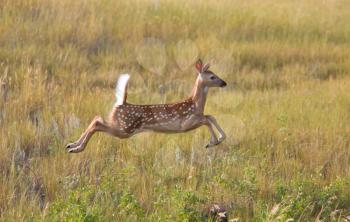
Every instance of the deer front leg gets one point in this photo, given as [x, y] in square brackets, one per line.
[96, 125]
[197, 121]
[213, 139]
[213, 121]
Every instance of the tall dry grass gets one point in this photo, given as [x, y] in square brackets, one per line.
[285, 111]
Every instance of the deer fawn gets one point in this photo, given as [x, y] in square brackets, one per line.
[128, 119]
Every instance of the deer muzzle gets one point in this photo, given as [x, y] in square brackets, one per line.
[223, 84]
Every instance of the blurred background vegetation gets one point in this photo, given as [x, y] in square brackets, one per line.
[285, 110]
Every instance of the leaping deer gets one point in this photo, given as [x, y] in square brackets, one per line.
[126, 120]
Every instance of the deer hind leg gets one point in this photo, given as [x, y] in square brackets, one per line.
[97, 125]
[83, 135]
[79, 141]
[213, 121]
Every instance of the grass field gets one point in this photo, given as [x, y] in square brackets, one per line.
[286, 109]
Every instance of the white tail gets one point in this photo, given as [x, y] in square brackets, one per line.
[120, 89]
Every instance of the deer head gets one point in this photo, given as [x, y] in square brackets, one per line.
[207, 77]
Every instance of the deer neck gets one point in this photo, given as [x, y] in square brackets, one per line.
[199, 95]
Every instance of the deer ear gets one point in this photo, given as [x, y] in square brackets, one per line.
[205, 67]
[199, 65]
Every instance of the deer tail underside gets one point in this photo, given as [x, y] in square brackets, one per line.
[121, 89]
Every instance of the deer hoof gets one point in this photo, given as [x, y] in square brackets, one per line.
[77, 149]
[211, 144]
[71, 145]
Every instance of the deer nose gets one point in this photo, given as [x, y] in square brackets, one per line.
[223, 84]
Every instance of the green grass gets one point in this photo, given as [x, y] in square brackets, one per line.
[285, 110]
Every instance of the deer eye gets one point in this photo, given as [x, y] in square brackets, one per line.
[212, 77]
